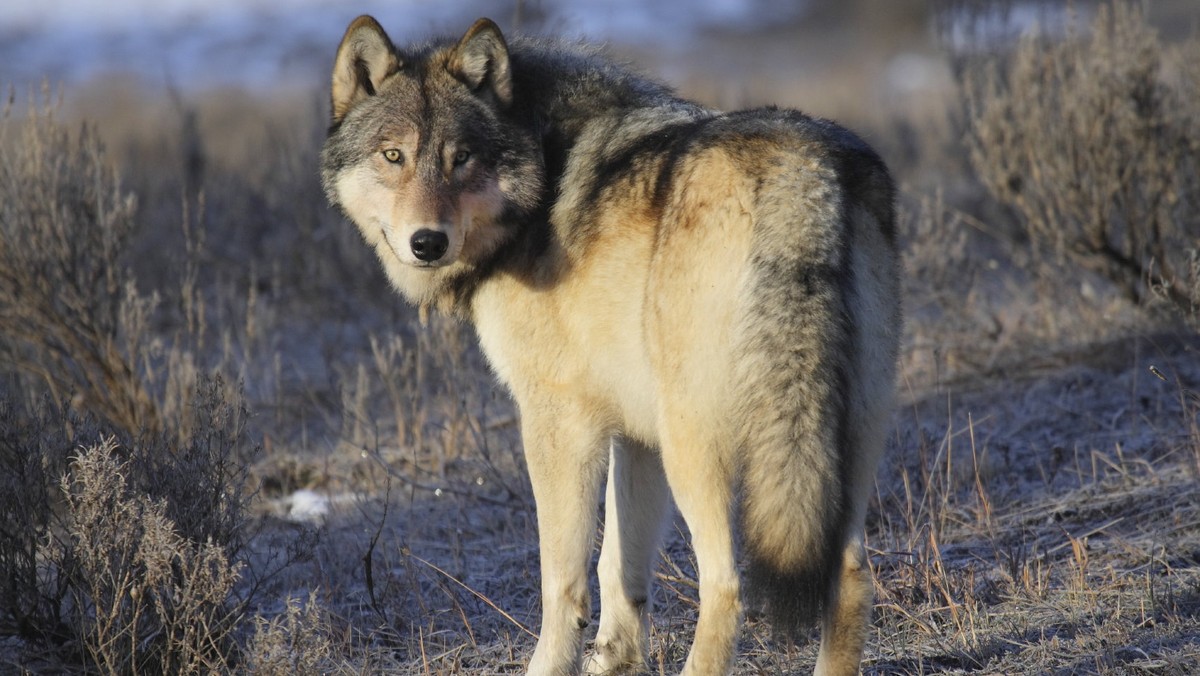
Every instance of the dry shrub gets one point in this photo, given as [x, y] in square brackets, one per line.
[146, 583]
[1094, 141]
[132, 567]
[203, 479]
[70, 314]
[35, 450]
[942, 269]
[73, 321]
[146, 599]
[74, 325]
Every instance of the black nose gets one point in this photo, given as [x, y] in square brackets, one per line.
[429, 245]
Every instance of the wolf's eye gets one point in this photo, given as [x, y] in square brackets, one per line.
[461, 157]
[392, 155]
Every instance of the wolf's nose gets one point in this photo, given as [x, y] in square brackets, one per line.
[429, 245]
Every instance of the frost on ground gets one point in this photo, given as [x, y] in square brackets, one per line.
[1046, 521]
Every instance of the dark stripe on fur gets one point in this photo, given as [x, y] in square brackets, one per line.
[666, 145]
[669, 164]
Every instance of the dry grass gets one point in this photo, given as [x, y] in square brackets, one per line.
[1046, 524]
[182, 287]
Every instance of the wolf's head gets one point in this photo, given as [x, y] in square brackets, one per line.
[425, 155]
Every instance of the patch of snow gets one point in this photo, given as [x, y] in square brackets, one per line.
[307, 506]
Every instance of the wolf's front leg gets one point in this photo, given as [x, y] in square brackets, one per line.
[565, 453]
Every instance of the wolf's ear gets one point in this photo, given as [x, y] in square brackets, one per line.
[365, 57]
[481, 61]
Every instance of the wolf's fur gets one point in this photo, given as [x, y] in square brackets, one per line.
[715, 292]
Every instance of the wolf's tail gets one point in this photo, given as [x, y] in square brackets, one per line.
[796, 383]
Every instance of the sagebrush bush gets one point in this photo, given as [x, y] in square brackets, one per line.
[70, 312]
[124, 559]
[35, 451]
[146, 600]
[1094, 141]
[130, 572]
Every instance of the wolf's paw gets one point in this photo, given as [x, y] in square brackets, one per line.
[613, 659]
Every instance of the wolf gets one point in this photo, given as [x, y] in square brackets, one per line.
[701, 305]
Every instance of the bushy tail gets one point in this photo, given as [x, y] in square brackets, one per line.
[794, 385]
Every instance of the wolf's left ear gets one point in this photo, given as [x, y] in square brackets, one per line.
[364, 59]
[481, 61]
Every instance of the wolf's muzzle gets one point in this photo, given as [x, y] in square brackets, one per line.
[429, 245]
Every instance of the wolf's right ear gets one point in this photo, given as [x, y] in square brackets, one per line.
[365, 57]
[481, 62]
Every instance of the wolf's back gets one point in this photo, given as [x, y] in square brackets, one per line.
[823, 219]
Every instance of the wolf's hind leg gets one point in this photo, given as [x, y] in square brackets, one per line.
[636, 502]
[845, 626]
[565, 455]
[701, 477]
